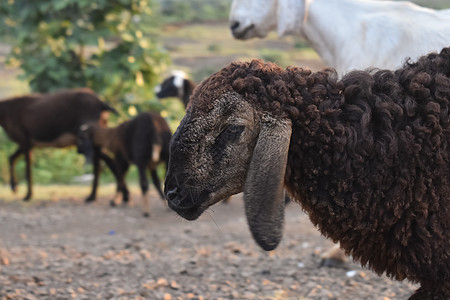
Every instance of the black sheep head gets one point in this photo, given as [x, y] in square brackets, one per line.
[225, 147]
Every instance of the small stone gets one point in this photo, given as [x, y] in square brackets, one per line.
[162, 282]
[351, 274]
[4, 261]
[213, 288]
[266, 282]
[252, 288]
[174, 285]
[145, 254]
[42, 292]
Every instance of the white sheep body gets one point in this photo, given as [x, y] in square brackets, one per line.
[351, 34]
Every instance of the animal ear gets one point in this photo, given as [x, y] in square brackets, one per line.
[263, 189]
[288, 15]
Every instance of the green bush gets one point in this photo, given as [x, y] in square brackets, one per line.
[108, 46]
[103, 45]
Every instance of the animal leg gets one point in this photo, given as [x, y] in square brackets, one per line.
[116, 200]
[122, 192]
[157, 183]
[109, 162]
[28, 176]
[146, 204]
[334, 258]
[12, 166]
[122, 171]
[435, 291]
[96, 163]
[121, 167]
[144, 188]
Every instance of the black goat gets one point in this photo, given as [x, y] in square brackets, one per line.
[143, 140]
[177, 86]
[51, 120]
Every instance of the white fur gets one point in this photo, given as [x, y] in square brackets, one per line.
[348, 34]
[179, 73]
[254, 12]
[178, 81]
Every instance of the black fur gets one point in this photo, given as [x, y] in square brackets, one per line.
[368, 159]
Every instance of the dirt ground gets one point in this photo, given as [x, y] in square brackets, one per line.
[65, 249]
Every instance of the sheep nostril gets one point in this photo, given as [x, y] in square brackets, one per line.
[235, 25]
[172, 194]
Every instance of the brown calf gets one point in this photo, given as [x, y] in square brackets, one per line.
[143, 140]
[51, 120]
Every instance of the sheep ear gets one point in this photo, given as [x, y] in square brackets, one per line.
[288, 16]
[263, 189]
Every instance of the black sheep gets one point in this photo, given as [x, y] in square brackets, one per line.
[177, 86]
[367, 157]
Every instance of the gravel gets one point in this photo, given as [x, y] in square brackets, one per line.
[65, 249]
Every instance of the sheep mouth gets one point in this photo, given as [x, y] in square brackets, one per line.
[242, 35]
[189, 206]
[189, 213]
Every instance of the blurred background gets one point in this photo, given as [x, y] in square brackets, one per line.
[121, 49]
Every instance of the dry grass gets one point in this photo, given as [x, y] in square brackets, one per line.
[54, 192]
[214, 40]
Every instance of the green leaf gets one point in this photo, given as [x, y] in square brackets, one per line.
[59, 51]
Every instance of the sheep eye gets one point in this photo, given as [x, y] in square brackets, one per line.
[235, 129]
[231, 132]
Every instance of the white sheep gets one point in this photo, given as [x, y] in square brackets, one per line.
[348, 34]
